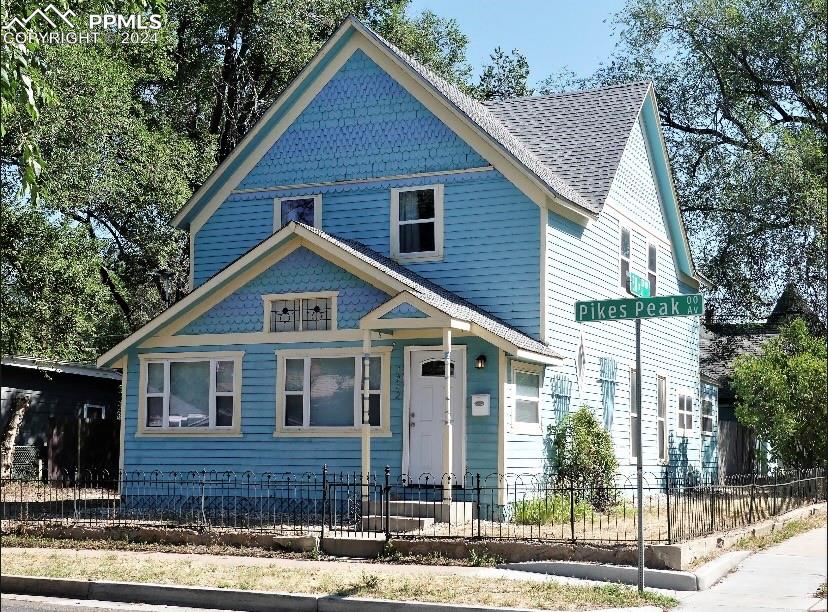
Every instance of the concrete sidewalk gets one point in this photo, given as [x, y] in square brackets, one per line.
[784, 577]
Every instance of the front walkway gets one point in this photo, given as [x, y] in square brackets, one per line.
[784, 577]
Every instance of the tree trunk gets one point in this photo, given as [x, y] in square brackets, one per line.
[18, 410]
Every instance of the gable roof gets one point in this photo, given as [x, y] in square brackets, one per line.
[580, 136]
[721, 343]
[386, 271]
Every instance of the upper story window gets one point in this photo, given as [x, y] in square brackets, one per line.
[295, 312]
[624, 256]
[652, 267]
[190, 393]
[305, 209]
[417, 223]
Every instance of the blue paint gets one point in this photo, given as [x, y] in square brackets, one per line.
[300, 271]
[404, 311]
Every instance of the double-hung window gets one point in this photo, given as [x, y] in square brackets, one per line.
[294, 312]
[685, 411]
[634, 438]
[320, 391]
[190, 393]
[652, 267]
[527, 395]
[305, 209]
[624, 257]
[662, 418]
[707, 415]
[417, 223]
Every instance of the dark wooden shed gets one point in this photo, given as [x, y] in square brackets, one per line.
[73, 418]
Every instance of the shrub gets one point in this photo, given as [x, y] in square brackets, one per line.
[583, 454]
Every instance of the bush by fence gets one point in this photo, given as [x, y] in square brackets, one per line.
[547, 507]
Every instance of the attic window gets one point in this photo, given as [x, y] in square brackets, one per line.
[305, 209]
[297, 312]
[417, 223]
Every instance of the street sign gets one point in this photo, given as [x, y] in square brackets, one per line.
[639, 286]
[640, 308]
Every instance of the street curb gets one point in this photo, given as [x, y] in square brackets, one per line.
[252, 601]
[701, 579]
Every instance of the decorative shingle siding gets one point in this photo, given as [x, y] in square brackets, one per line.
[300, 271]
[404, 311]
[361, 124]
[583, 264]
[492, 237]
[259, 451]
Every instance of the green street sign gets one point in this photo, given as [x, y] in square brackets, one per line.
[639, 286]
[640, 308]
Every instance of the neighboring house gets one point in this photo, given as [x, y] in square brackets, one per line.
[377, 224]
[64, 399]
[739, 452]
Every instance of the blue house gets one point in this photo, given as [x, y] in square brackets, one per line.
[384, 272]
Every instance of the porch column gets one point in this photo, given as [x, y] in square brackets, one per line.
[447, 420]
[366, 415]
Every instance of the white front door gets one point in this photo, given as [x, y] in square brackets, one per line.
[426, 408]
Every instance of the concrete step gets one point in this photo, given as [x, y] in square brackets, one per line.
[374, 522]
[453, 512]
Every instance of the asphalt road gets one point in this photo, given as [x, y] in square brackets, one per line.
[30, 603]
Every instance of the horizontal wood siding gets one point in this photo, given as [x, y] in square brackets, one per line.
[583, 264]
[258, 450]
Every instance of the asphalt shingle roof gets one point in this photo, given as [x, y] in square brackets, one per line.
[720, 344]
[435, 295]
[579, 135]
[490, 124]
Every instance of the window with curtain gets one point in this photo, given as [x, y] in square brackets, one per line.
[325, 392]
[190, 393]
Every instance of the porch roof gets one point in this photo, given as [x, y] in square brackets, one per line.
[436, 296]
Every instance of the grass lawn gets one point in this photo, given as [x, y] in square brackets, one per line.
[341, 580]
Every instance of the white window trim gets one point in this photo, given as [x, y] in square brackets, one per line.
[684, 431]
[237, 357]
[666, 419]
[633, 458]
[384, 428]
[650, 243]
[317, 209]
[523, 427]
[707, 397]
[437, 253]
[268, 298]
[624, 284]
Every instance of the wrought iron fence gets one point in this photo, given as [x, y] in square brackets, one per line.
[677, 506]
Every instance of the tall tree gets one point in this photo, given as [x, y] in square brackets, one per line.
[742, 95]
[134, 130]
[505, 77]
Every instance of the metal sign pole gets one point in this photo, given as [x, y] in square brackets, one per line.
[640, 467]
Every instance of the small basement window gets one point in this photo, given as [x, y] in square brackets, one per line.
[302, 209]
[294, 312]
[417, 223]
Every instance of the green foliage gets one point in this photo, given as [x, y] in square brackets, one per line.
[742, 93]
[781, 393]
[583, 453]
[548, 510]
[505, 77]
[482, 558]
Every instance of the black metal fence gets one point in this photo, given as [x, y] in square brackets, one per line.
[677, 506]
